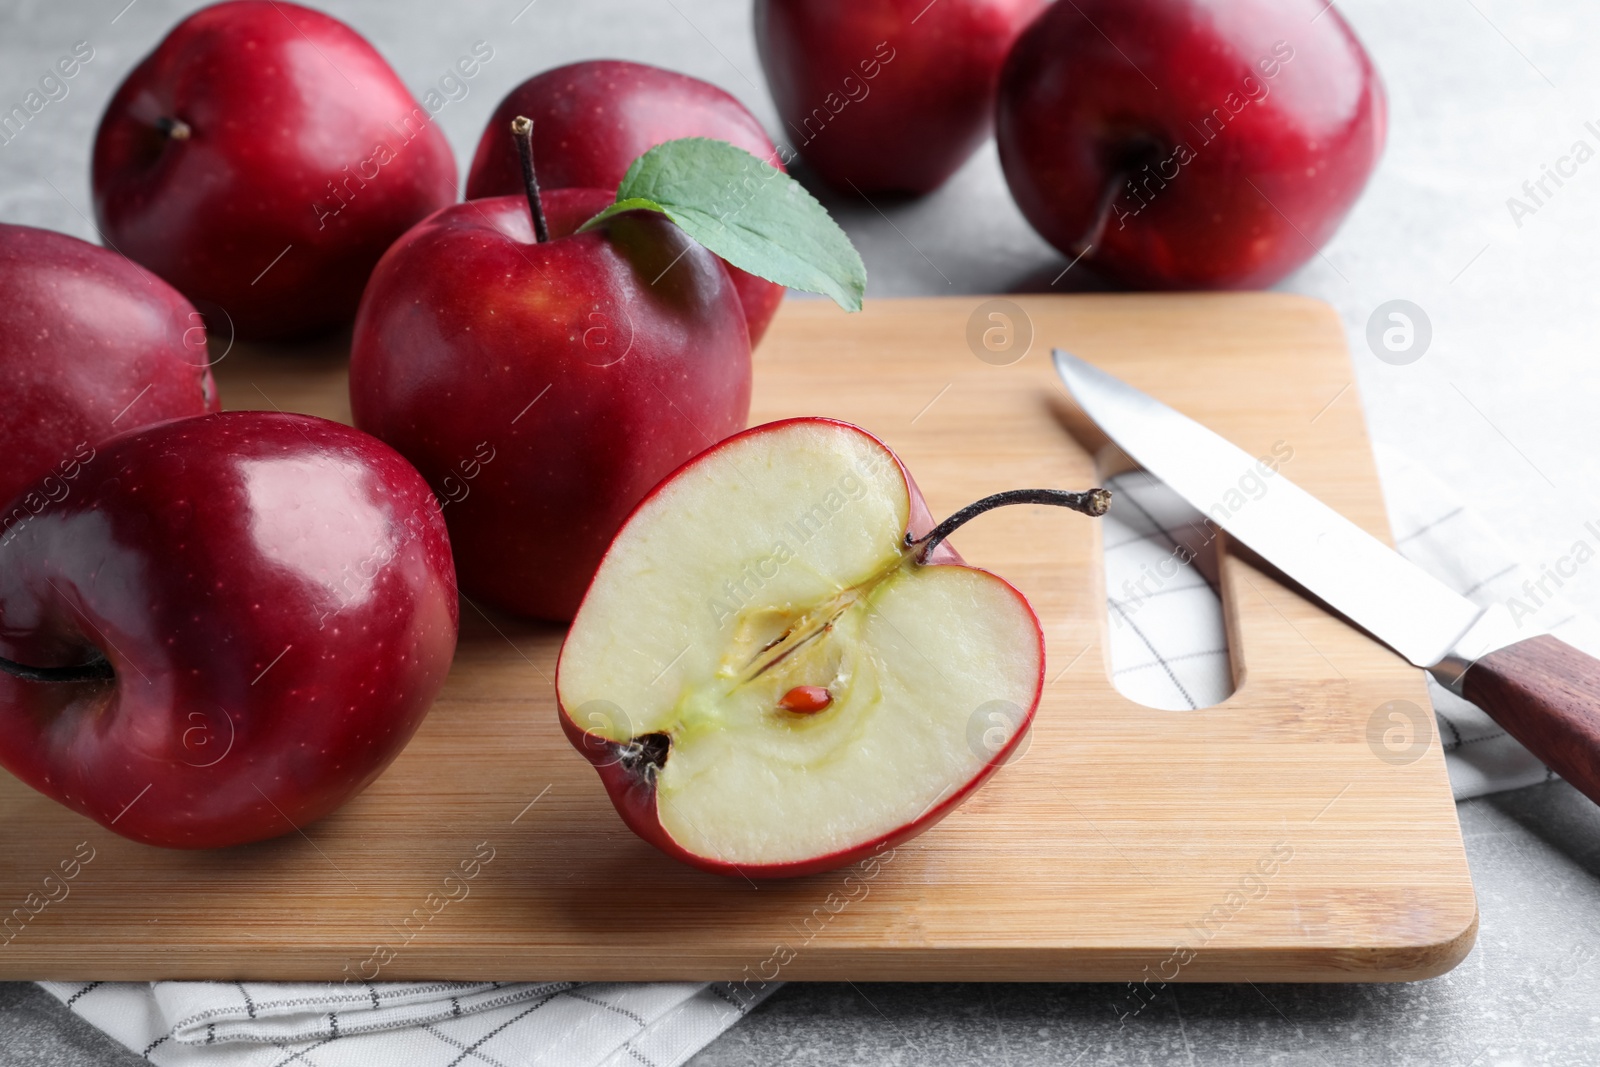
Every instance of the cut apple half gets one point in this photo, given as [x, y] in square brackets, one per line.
[780, 664]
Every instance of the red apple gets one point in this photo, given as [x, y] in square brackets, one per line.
[1188, 143]
[591, 120]
[231, 626]
[542, 387]
[90, 346]
[888, 96]
[782, 666]
[261, 159]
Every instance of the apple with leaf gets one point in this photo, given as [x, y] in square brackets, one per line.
[569, 348]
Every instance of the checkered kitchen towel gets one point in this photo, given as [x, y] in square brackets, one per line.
[1168, 650]
[409, 1024]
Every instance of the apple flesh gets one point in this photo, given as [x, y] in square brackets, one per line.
[1189, 144]
[591, 120]
[261, 159]
[543, 387]
[770, 674]
[888, 96]
[231, 626]
[90, 346]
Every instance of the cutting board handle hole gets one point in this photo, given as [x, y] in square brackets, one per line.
[1167, 635]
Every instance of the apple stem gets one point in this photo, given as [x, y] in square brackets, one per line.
[94, 671]
[1140, 154]
[1093, 502]
[522, 132]
[1102, 215]
[176, 129]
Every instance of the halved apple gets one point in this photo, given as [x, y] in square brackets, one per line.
[780, 663]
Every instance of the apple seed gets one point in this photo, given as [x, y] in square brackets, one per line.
[806, 699]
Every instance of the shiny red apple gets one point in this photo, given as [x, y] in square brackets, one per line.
[591, 120]
[261, 159]
[782, 666]
[231, 626]
[543, 387]
[887, 96]
[1189, 143]
[90, 346]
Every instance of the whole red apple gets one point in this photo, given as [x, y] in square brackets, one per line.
[231, 626]
[887, 96]
[261, 159]
[90, 346]
[782, 666]
[591, 120]
[542, 387]
[1189, 143]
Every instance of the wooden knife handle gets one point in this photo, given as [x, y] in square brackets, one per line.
[1547, 695]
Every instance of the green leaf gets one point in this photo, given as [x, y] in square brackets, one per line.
[748, 212]
[631, 204]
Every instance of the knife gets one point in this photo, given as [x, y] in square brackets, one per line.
[1541, 690]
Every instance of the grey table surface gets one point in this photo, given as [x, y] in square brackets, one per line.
[1484, 94]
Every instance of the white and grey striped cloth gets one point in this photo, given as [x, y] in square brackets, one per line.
[414, 1024]
[1168, 650]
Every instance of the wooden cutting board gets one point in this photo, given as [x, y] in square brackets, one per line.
[1261, 839]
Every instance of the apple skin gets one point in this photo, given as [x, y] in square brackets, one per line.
[631, 787]
[302, 138]
[90, 346]
[263, 676]
[469, 320]
[906, 88]
[591, 120]
[1075, 109]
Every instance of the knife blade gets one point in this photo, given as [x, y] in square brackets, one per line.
[1541, 690]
